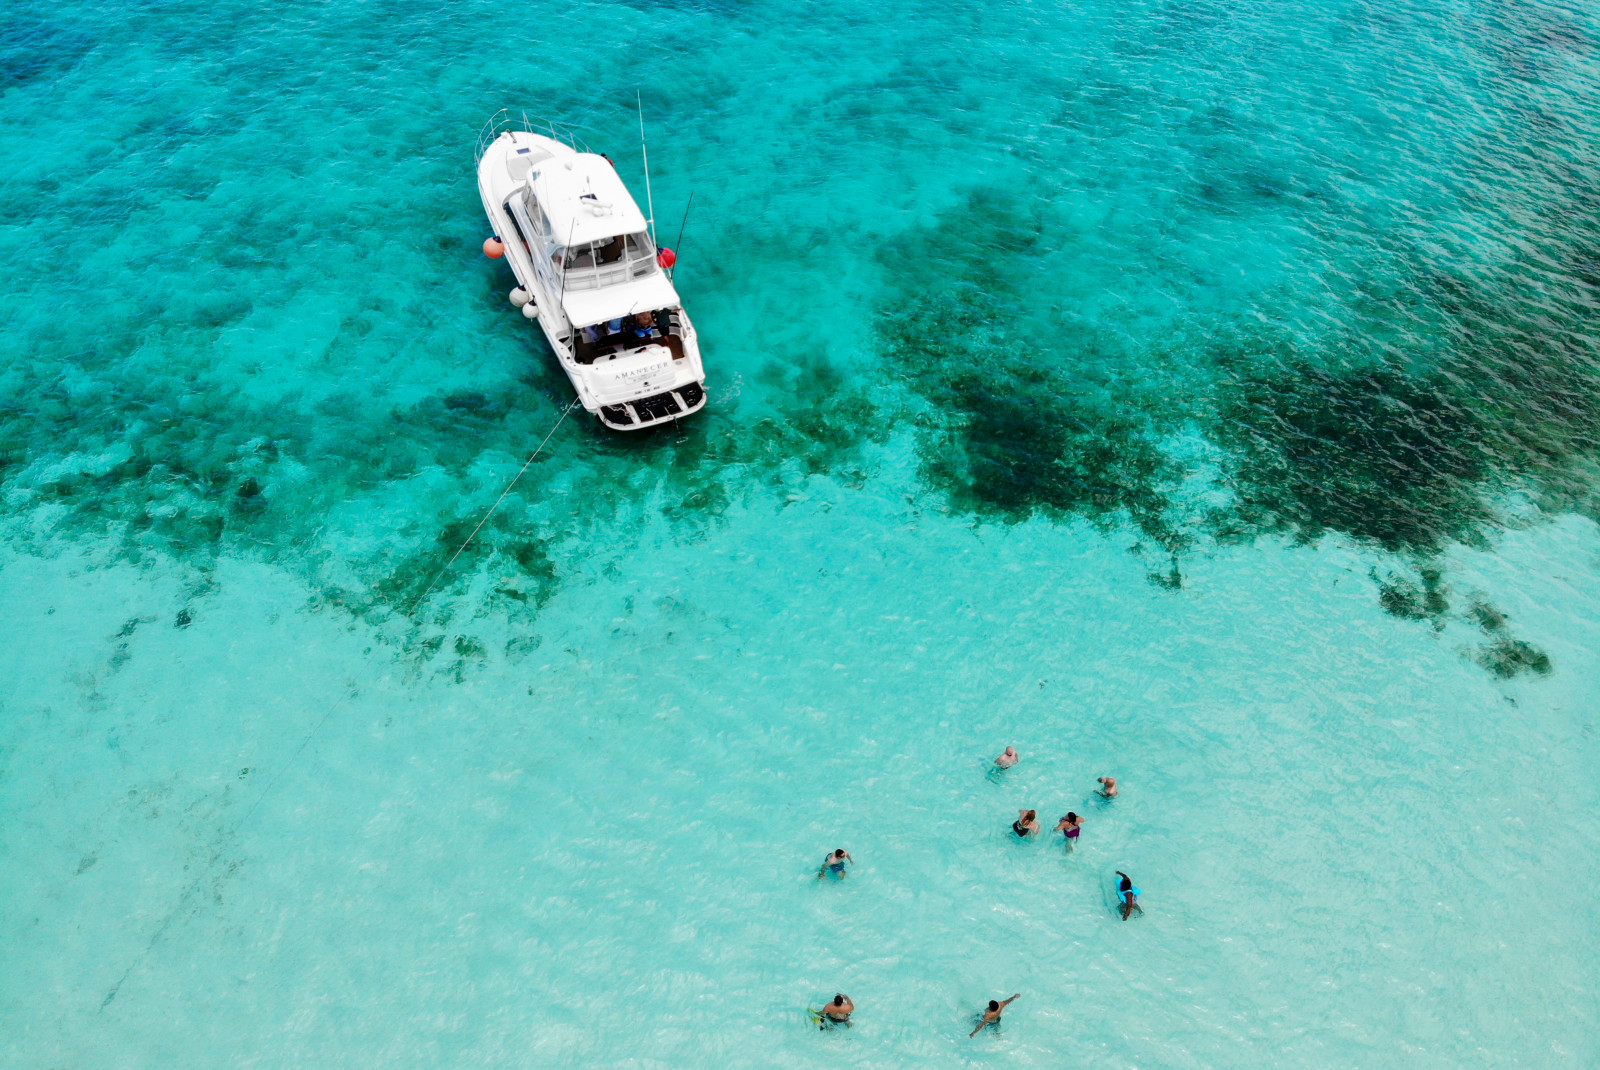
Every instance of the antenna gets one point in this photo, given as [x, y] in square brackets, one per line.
[679, 243]
[650, 200]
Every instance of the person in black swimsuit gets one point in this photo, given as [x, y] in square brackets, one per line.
[1026, 825]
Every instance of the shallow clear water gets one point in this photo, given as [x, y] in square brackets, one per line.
[1200, 393]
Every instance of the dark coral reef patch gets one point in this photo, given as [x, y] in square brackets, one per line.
[1005, 434]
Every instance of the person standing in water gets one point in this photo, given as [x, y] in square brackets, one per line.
[1026, 824]
[836, 1012]
[1128, 895]
[1007, 759]
[1108, 786]
[834, 863]
[1070, 826]
[991, 1016]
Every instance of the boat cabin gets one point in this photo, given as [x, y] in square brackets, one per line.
[575, 217]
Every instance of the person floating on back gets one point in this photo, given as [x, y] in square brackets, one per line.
[1070, 826]
[992, 1015]
[834, 864]
[1108, 787]
[1027, 824]
[1127, 895]
[835, 1012]
[1007, 759]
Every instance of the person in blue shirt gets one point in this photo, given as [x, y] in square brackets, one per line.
[1128, 895]
[642, 326]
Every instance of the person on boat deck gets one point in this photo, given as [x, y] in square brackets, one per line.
[991, 1015]
[1026, 824]
[642, 325]
[614, 326]
[834, 863]
[836, 1012]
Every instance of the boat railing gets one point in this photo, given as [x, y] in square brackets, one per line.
[591, 277]
[596, 278]
[506, 119]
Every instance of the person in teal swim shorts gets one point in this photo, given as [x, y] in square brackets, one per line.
[834, 864]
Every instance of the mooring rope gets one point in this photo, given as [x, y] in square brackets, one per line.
[218, 849]
[208, 870]
[493, 507]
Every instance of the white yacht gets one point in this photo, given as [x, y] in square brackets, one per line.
[589, 272]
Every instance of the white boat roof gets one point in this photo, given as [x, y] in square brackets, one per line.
[585, 308]
[584, 199]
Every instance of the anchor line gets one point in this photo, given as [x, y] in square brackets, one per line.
[460, 549]
[218, 851]
[224, 842]
[678, 248]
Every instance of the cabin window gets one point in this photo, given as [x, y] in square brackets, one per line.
[579, 257]
[536, 216]
[608, 261]
[518, 227]
[639, 247]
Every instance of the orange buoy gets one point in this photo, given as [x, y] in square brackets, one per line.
[666, 257]
[494, 248]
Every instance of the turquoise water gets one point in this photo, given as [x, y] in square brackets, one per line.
[1202, 394]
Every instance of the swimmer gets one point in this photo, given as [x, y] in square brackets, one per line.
[1027, 824]
[1070, 826]
[836, 1012]
[834, 864]
[1007, 759]
[1108, 786]
[992, 1015]
[1128, 895]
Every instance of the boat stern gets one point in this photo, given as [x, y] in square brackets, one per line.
[669, 405]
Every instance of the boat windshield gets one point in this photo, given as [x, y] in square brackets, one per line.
[623, 249]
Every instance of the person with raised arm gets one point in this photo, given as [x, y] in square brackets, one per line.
[1127, 895]
[991, 1016]
[834, 864]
